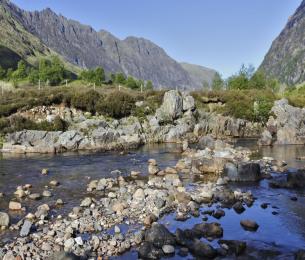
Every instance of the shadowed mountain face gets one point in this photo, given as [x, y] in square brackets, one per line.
[81, 45]
[286, 57]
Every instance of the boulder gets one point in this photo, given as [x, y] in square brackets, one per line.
[296, 180]
[208, 230]
[235, 247]
[208, 165]
[42, 211]
[171, 107]
[13, 205]
[238, 207]
[148, 251]
[243, 172]
[66, 256]
[139, 195]
[168, 249]
[26, 228]
[249, 225]
[287, 125]
[265, 139]
[159, 236]
[202, 250]
[4, 219]
[188, 103]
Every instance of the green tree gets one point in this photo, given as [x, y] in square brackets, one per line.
[120, 78]
[2, 73]
[51, 71]
[9, 73]
[99, 76]
[21, 71]
[131, 83]
[149, 85]
[218, 83]
[56, 71]
[33, 76]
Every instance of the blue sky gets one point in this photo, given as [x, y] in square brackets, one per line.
[221, 34]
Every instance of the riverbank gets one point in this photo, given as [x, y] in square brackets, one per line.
[175, 121]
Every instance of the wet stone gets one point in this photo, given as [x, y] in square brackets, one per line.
[249, 225]
[219, 214]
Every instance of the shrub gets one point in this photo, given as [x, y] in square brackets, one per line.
[19, 123]
[86, 101]
[241, 103]
[119, 104]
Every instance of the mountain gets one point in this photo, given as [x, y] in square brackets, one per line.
[286, 57]
[41, 32]
[200, 75]
[15, 41]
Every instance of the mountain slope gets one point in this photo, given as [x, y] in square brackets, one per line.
[84, 47]
[15, 41]
[200, 75]
[286, 57]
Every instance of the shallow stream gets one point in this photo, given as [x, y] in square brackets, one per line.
[280, 234]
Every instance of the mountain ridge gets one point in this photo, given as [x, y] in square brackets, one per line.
[285, 59]
[85, 47]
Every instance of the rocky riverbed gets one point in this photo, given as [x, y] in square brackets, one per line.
[209, 202]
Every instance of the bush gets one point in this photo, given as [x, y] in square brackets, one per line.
[19, 123]
[248, 104]
[296, 96]
[117, 105]
[86, 101]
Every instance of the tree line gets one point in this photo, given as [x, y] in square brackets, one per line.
[246, 78]
[52, 72]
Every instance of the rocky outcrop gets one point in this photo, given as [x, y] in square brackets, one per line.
[285, 126]
[223, 126]
[89, 135]
[177, 120]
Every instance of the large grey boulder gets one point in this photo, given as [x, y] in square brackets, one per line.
[188, 103]
[172, 107]
[243, 171]
[159, 236]
[296, 180]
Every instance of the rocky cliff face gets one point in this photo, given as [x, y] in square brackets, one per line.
[286, 57]
[81, 45]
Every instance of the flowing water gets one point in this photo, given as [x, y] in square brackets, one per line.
[283, 233]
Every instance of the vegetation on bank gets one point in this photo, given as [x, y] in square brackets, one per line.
[248, 95]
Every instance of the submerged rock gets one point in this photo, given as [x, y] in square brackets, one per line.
[201, 249]
[235, 247]
[159, 236]
[148, 251]
[249, 225]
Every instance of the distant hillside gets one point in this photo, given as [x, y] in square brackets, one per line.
[200, 75]
[286, 57]
[37, 33]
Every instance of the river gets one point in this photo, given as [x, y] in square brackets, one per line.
[279, 234]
